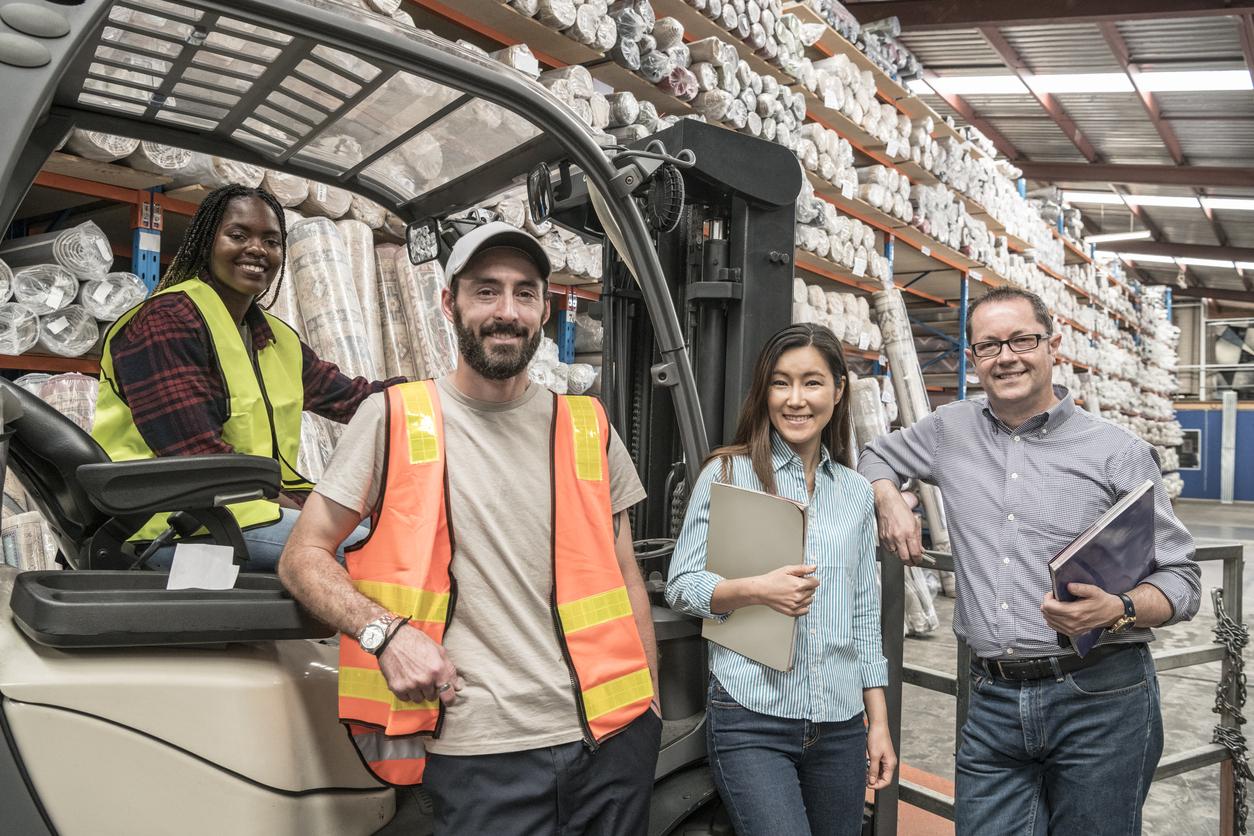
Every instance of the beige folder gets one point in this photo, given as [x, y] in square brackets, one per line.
[752, 533]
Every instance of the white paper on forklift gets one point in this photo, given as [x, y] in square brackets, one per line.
[752, 533]
[202, 566]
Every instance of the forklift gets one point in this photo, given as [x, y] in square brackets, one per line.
[129, 708]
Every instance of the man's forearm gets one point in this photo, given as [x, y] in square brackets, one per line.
[324, 588]
[1152, 607]
[642, 611]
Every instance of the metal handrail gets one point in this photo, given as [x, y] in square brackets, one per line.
[892, 576]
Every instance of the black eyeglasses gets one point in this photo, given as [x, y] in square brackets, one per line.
[1021, 344]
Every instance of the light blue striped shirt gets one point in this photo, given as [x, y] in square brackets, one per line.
[837, 651]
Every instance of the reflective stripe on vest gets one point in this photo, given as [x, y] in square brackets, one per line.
[405, 566]
[248, 428]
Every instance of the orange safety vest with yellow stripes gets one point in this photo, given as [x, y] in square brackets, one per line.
[404, 565]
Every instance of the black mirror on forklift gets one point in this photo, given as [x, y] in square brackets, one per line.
[434, 238]
[540, 193]
[422, 240]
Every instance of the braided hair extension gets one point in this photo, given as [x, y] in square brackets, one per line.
[196, 249]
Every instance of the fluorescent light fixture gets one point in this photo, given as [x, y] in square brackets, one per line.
[1112, 199]
[1146, 259]
[1105, 198]
[1205, 262]
[1245, 265]
[979, 85]
[1138, 235]
[1162, 200]
[1195, 80]
[1160, 82]
[919, 87]
[1240, 204]
[1082, 83]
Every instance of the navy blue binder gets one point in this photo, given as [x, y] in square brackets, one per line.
[1115, 553]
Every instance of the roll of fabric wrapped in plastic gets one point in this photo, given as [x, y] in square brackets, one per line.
[44, 288]
[108, 298]
[158, 158]
[289, 189]
[400, 356]
[73, 395]
[19, 328]
[327, 201]
[69, 332]
[102, 147]
[83, 250]
[360, 242]
[322, 274]
[421, 289]
[212, 172]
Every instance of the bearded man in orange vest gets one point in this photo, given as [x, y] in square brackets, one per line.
[497, 639]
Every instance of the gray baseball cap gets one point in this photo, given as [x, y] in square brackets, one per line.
[496, 234]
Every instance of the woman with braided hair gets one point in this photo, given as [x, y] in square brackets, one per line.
[200, 368]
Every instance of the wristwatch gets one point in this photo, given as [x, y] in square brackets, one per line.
[372, 635]
[1128, 618]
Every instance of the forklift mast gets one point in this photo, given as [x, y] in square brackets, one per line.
[728, 268]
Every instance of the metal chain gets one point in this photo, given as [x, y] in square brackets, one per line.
[1234, 637]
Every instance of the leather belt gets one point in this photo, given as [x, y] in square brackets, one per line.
[1044, 667]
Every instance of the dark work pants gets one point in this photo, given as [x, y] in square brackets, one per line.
[563, 790]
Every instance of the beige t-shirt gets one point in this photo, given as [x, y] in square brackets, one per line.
[518, 694]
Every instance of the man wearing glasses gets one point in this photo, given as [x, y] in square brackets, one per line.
[1052, 742]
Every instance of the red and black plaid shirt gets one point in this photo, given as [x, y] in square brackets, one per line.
[169, 377]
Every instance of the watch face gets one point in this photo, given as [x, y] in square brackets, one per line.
[372, 637]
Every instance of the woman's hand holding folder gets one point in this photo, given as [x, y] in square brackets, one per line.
[788, 589]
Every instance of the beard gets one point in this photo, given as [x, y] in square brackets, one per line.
[502, 362]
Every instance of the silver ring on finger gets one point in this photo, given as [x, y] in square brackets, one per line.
[442, 687]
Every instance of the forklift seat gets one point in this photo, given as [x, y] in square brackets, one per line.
[94, 505]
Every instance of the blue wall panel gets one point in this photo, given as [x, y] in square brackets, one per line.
[1204, 483]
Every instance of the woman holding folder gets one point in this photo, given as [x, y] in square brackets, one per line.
[793, 752]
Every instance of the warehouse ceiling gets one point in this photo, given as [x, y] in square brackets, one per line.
[1117, 133]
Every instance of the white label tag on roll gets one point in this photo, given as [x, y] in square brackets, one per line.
[320, 192]
[58, 325]
[846, 190]
[105, 252]
[829, 102]
[892, 148]
[859, 266]
[927, 251]
[864, 341]
[56, 297]
[101, 293]
[976, 275]
[528, 64]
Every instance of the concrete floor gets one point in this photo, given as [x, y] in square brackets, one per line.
[1187, 804]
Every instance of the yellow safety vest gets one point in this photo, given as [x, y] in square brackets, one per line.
[266, 398]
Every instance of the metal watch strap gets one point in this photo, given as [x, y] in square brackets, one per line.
[384, 621]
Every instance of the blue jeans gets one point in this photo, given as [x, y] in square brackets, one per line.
[265, 544]
[785, 777]
[1061, 756]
